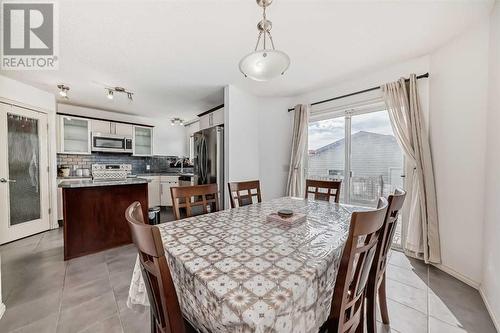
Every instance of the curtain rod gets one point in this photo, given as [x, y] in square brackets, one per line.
[422, 76]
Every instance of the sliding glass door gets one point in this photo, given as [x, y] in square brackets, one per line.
[360, 149]
[376, 160]
[327, 146]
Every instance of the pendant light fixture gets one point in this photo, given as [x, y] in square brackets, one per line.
[265, 63]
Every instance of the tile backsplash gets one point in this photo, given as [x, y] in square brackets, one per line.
[139, 163]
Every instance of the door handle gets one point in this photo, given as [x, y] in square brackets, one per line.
[3, 180]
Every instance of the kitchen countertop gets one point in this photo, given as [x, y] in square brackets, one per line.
[187, 174]
[95, 183]
[158, 174]
[74, 177]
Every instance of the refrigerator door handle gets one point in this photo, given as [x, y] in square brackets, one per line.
[220, 164]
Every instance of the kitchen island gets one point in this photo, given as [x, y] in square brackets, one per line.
[94, 213]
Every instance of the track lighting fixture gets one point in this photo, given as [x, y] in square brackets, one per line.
[111, 91]
[63, 90]
[110, 94]
[176, 121]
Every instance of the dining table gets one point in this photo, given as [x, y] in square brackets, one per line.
[238, 271]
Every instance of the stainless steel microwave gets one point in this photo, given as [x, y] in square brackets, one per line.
[111, 143]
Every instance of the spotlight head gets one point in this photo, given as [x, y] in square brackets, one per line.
[63, 90]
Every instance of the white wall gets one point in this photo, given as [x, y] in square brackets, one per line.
[241, 130]
[258, 140]
[168, 139]
[458, 106]
[275, 141]
[490, 287]
[367, 80]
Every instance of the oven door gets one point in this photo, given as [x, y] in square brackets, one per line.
[109, 143]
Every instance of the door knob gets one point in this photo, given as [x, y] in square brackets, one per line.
[3, 180]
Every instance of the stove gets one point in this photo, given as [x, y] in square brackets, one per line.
[111, 171]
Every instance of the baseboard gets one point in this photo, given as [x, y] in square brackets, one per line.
[458, 276]
[2, 310]
[490, 310]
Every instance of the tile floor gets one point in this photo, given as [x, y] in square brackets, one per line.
[45, 294]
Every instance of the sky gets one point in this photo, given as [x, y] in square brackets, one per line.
[324, 132]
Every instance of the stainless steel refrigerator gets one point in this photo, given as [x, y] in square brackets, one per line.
[209, 157]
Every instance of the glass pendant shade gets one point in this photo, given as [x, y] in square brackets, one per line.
[264, 65]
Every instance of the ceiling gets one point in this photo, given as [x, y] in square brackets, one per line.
[176, 56]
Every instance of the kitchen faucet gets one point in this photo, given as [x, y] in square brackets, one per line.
[181, 160]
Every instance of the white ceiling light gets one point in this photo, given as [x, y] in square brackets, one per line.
[63, 90]
[264, 64]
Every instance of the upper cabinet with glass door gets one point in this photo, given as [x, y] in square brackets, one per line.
[143, 141]
[74, 135]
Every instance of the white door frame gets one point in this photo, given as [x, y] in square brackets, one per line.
[11, 233]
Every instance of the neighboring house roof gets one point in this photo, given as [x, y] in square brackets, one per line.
[361, 135]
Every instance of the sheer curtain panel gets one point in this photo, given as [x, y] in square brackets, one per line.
[422, 237]
[297, 173]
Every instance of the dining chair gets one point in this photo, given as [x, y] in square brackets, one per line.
[376, 280]
[347, 309]
[199, 197]
[235, 189]
[328, 186]
[166, 312]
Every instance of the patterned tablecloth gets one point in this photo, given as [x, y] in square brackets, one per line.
[236, 272]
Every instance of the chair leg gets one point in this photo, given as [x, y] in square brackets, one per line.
[382, 299]
[371, 310]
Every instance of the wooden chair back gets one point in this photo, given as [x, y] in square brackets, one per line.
[188, 197]
[347, 310]
[376, 282]
[156, 273]
[395, 204]
[323, 189]
[252, 189]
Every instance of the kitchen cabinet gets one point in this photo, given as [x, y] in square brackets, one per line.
[212, 119]
[110, 127]
[166, 182]
[153, 190]
[124, 129]
[218, 117]
[143, 141]
[60, 197]
[73, 135]
[101, 126]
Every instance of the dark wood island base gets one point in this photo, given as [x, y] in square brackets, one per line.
[94, 216]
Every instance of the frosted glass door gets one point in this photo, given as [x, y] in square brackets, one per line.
[23, 174]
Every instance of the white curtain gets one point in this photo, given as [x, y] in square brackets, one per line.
[422, 232]
[297, 174]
